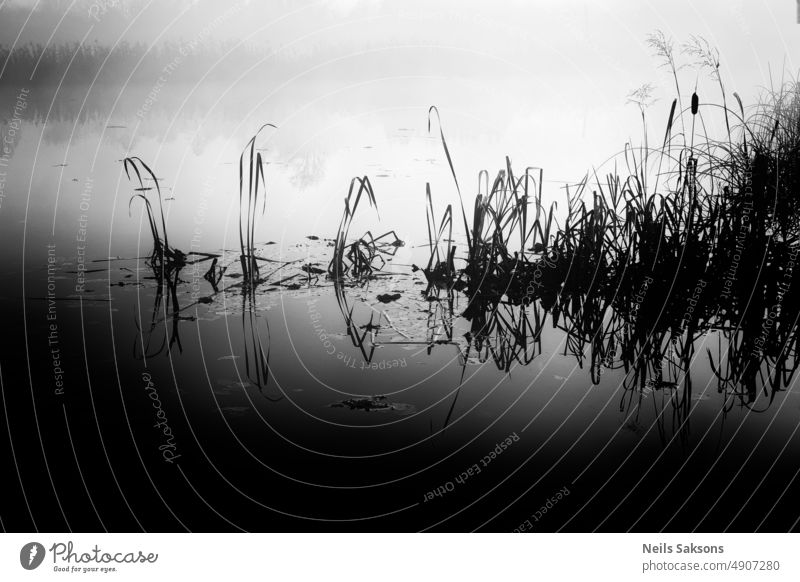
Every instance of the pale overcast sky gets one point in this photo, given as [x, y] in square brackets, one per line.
[544, 82]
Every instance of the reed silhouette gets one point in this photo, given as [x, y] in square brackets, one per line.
[366, 255]
[252, 190]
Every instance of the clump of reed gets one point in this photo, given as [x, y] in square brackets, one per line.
[252, 192]
[163, 255]
[696, 221]
[440, 270]
[502, 237]
[695, 235]
[364, 256]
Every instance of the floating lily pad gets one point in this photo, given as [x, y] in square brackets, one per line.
[373, 404]
[312, 269]
[389, 297]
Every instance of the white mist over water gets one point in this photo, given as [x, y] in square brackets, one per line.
[349, 85]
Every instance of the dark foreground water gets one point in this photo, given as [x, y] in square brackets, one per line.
[139, 404]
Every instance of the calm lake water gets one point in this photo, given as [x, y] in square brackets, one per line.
[309, 405]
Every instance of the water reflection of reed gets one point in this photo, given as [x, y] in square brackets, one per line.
[256, 355]
[154, 340]
[504, 333]
[360, 330]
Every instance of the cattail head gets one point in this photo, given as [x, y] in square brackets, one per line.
[695, 103]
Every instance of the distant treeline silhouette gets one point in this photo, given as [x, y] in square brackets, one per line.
[91, 78]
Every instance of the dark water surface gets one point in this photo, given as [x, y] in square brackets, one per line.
[262, 413]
